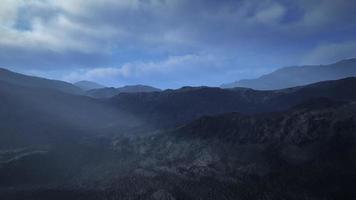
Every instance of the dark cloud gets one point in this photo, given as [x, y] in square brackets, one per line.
[77, 35]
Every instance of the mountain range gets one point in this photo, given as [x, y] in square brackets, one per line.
[298, 75]
[111, 91]
[88, 85]
[190, 143]
[36, 82]
[87, 88]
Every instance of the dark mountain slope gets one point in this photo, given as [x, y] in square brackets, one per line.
[175, 107]
[303, 152]
[32, 114]
[106, 92]
[306, 150]
[296, 76]
[172, 107]
[307, 122]
[342, 89]
[31, 81]
[110, 92]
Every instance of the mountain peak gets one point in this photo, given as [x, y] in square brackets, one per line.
[347, 61]
[88, 85]
[37, 82]
[107, 92]
[299, 75]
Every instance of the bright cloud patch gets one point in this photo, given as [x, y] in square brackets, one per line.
[153, 72]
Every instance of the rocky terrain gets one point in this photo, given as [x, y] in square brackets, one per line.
[190, 143]
[302, 153]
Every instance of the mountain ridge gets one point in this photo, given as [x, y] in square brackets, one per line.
[88, 85]
[239, 143]
[37, 82]
[180, 106]
[109, 92]
[298, 75]
[228, 151]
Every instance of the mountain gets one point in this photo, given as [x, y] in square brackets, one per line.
[88, 85]
[137, 89]
[302, 150]
[36, 82]
[301, 153]
[300, 75]
[277, 127]
[240, 143]
[32, 115]
[44, 134]
[45, 113]
[110, 92]
[106, 92]
[176, 107]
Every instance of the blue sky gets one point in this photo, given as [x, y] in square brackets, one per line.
[172, 43]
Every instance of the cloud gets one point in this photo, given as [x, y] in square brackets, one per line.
[56, 33]
[331, 52]
[170, 70]
[137, 35]
[272, 14]
[8, 11]
[94, 74]
[90, 26]
[322, 14]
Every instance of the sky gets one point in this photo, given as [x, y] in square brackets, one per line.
[172, 43]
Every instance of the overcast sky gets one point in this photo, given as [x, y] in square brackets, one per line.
[172, 43]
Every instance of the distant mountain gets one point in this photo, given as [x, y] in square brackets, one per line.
[36, 82]
[44, 112]
[176, 107]
[106, 92]
[110, 92]
[300, 75]
[137, 89]
[88, 85]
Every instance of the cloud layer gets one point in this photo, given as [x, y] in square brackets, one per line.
[161, 40]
